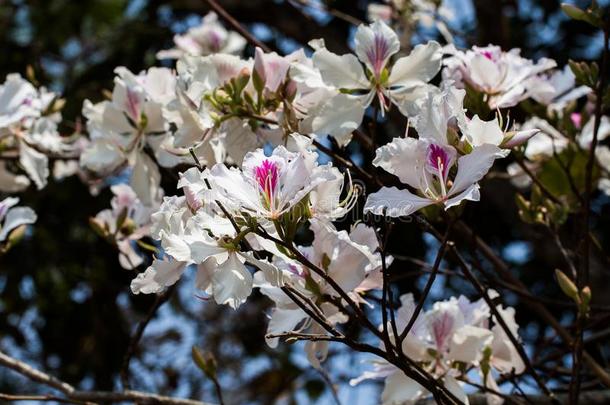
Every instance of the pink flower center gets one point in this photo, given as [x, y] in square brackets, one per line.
[266, 175]
[378, 54]
[439, 160]
[488, 55]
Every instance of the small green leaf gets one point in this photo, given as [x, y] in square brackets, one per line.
[591, 16]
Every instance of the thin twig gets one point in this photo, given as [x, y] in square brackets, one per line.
[135, 339]
[236, 25]
[437, 262]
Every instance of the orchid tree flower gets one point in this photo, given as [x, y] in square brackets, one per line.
[121, 128]
[125, 224]
[193, 232]
[12, 217]
[270, 70]
[365, 236]
[28, 124]
[426, 167]
[207, 38]
[453, 332]
[268, 186]
[359, 79]
[556, 89]
[441, 118]
[501, 76]
[186, 241]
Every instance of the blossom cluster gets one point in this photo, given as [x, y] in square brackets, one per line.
[451, 339]
[244, 135]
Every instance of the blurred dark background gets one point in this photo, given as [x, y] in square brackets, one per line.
[65, 304]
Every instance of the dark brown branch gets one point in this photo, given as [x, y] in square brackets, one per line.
[72, 394]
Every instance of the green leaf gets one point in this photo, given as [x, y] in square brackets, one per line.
[591, 16]
[556, 179]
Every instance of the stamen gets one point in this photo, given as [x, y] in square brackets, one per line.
[266, 176]
[439, 160]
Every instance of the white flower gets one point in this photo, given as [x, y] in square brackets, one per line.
[452, 332]
[548, 142]
[268, 186]
[19, 101]
[441, 118]
[425, 166]
[122, 127]
[270, 68]
[207, 38]
[127, 221]
[356, 87]
[501, 76]
[193, 232]
[28, 123]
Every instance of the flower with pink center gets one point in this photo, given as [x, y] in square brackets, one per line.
[502, 76]
[354, 86]
[207, 38]
[267, 176]
[215, 40]
[417, 162]
[267, 186]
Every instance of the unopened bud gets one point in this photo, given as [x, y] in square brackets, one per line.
[567, 286]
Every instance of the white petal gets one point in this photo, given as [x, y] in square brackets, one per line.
[272, 274]
[394, 202]
[342, 72]
[474, 166]
[102, 156]
[471, 193]
[202, 246]
[400, 389]
[232, 282]
[159, 275]
[35, 164]
[175, 246]
[454, 387]
[129, 258]
[468, 342]
[375, 44]
[146, 179]
[421, 65]
[404, 158]
[283, 320]
[337, 117]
